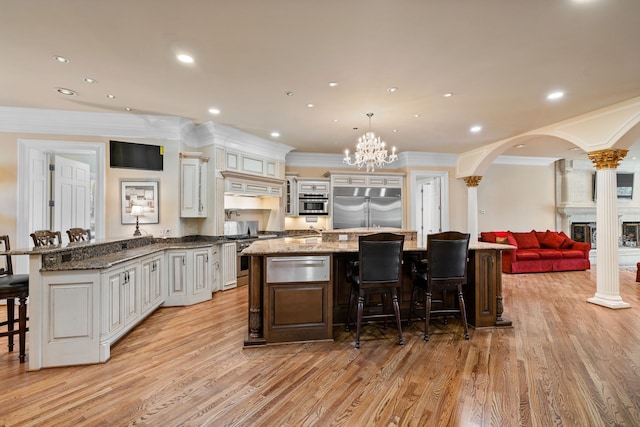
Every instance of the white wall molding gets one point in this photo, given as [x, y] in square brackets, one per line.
[112, 125]
[227, 137]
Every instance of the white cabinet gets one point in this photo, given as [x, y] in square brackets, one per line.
[193, 185]
[151, 281]
[313, 186]
[189, 276]
[342, 180]
[215, 268]
[229, 266]
[291, 203]
[250, 164]
[376, 180]
[120, 299]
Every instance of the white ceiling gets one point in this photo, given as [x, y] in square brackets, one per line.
[500, 58]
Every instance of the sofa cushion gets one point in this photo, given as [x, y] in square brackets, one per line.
[527, 240]
[550, 254]
[552, 239]
[492, 236]
[527, 255]
[568, 243]
[571, 254]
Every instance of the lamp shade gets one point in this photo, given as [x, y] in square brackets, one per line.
[136, 210]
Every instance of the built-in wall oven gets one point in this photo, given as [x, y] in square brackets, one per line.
[313, 204]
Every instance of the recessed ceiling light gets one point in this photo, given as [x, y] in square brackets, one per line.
[111, 96]
[64, 91]
[333, 84]
[395, 130]
[335, 120]
[519, 146]
[475, 128]
[392, 89]
[310, 105]
[60, 59]
[555, 95]
[214, 111]
[275, 134]
[574, 148]
[90, 80]
[187, 59]
[289, 93]
[417, 116]
[448, 95]
[127, 108]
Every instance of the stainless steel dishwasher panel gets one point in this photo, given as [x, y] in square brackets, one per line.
[295, 269]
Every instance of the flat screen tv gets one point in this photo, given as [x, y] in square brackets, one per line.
[130, 155]
[624, 185]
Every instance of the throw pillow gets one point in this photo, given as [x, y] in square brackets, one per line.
[552, 240]
[568, 243]
[488, 236]
[527, 240]
[502, 240]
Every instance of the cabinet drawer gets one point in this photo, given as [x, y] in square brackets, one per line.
[295, 269]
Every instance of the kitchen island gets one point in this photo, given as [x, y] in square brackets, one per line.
[298, 288]
[84, 296]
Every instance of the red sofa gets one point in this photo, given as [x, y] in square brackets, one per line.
[540, 251]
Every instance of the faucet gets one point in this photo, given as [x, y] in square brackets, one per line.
[317, 230]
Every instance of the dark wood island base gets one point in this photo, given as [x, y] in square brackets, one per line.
[307, 309]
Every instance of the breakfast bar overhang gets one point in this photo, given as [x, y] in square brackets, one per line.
[298, 288]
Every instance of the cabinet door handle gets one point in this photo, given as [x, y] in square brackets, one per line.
[184, 262]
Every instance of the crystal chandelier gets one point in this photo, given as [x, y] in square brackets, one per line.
[370, 151]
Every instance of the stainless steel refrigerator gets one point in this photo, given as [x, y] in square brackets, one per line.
[355, 207]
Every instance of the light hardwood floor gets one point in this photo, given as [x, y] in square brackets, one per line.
[564, 363]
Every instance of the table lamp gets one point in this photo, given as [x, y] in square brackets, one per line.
[136, 210]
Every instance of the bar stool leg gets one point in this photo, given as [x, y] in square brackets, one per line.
[22, 320]
[11, 304]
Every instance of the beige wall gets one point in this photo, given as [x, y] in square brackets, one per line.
[168, 186]
[517, 198]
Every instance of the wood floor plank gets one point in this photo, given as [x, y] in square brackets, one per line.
[565, 362]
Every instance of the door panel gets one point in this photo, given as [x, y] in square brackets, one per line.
[71, 194]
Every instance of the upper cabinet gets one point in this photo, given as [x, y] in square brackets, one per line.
[390, 180]
[193, 185]
[249, 164]
[314, 186]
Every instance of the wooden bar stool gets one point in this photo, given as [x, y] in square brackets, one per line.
[379, 270]
[46, 237]
[79, 234]
[12, 287]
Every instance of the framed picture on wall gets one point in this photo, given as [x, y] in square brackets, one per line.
[139, 193]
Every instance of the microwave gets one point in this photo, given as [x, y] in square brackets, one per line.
[313, 204]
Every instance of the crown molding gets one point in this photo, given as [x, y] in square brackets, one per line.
[227, 137]
[405, 159]
[113, 125]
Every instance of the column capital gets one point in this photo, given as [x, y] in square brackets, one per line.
[472, 181]
[607, 159]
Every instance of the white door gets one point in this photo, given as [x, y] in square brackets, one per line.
[431, 206]
[71, 194]
[38, 213]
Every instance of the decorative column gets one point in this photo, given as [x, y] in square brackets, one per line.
[472, 205]
[607, 265]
